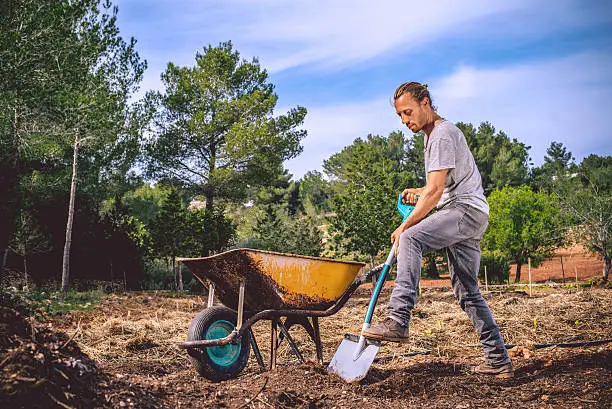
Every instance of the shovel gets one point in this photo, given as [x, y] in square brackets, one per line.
[354, 358]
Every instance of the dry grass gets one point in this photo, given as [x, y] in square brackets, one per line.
[147, 326]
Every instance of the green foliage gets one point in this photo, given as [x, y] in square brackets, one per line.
[368, 176]
[170, 227]
[555, 173]
[156, 275]
[66, 75]
[588, 204]
[276, 230]
[500, 160]
[595, 172]
[45, 303]
[144, 201]
[498, 268]
[217, 133]
[209, 231]
[315, 191]
[523, 224]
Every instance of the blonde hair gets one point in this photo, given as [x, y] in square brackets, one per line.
[417, 90]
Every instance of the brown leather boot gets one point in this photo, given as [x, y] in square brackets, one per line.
[388, 330]
[503, 371]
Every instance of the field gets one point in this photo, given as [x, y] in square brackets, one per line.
[127, 343]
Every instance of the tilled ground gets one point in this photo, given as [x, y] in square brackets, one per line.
[130, 339]
[568, 379]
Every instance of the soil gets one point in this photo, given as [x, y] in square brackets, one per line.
[127, 345]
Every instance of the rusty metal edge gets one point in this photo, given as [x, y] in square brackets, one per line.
[275, 253]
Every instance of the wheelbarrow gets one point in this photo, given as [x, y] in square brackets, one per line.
[256, 285]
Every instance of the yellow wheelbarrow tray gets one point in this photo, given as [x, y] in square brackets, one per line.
[255, 285]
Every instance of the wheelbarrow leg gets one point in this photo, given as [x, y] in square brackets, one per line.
[285, 334]
[256, 350]
[211, 294]
[273, 343]
[317, 339]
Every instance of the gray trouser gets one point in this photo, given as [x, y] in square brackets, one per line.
[458, 228]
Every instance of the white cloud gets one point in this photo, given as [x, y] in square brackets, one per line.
[337, 33]
[566, 100]
[562, 100]
[331, 128]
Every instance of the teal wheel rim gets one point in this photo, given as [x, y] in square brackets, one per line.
[223, 355]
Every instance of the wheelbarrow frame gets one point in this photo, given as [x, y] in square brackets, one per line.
[292, 317]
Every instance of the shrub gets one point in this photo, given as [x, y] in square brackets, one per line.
[498, 268]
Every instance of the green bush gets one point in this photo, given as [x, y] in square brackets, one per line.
[42, 303]
[498, 268]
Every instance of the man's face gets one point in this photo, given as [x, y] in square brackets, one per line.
[411, 112]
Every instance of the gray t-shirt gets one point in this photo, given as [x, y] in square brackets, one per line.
[446, 148]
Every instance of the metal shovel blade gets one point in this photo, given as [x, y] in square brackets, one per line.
[346, 365]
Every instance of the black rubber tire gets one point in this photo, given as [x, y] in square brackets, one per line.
[200, 358]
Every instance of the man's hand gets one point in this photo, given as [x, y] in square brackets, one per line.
[395, 237]
[409, 196]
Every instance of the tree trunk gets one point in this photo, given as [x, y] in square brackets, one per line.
[432, 268]
[374, 276]
[180, 276]
[25, 271]
[4, 256]
[606, 268]
[174, 274]
[518, 272]
[66, 261]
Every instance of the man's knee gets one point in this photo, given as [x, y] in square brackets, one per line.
[410, 238]
[468, 299]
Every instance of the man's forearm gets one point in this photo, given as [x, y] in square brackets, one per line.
[429, 198]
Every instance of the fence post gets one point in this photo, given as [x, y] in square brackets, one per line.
[529, 263]
[576, 272]
[562, 269]
[486, 279]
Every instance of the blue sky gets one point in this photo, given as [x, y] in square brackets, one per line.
[539, 70]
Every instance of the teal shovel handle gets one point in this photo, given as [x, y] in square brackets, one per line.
[404, 209]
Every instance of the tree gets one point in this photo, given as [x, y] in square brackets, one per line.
[596, 172]
[592, 210]
[208, 231]
[216, 130]
[28, 240]
[500, 160]
[588, 202]
[276, 230]
[523, 224]
[169, 231]
[367, 177]
[94, 104]
[66, 78]
[557, 169]
[315, 191]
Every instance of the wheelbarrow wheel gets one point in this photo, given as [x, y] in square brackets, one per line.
[218, 363]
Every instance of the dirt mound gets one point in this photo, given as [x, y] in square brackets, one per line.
[40, 368]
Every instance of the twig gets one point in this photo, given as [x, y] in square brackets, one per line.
[256, 395]
[587, 400]
[72, 337]
[63, 405]
[5, 360]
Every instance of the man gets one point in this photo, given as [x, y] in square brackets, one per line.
[454, 188]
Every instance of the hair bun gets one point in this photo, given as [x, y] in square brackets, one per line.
[424, 85]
